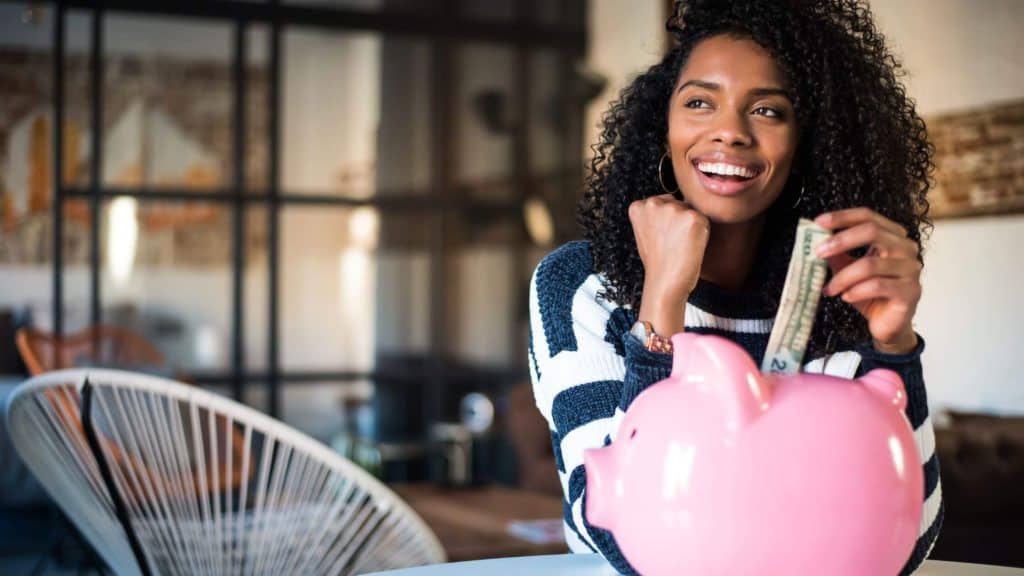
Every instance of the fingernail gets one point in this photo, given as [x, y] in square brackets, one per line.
[823, 248]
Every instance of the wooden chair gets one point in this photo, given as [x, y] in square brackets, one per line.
[100, 345]
[105, 346]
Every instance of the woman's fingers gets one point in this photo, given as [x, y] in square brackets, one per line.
[671, 198]
[893, 289]
[839, 261]
[884, 285]
[869, 233]
[868, 267]
[853, 216]
[653, 204]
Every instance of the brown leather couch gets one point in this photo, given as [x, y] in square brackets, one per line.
[981, 458]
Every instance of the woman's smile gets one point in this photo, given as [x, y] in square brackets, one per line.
[726, 175]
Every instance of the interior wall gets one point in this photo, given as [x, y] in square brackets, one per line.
[961, 55]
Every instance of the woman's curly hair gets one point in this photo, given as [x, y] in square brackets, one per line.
[862, 143]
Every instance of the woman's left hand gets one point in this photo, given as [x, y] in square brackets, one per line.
[885, 284]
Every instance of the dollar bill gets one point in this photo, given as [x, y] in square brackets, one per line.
[799, 303]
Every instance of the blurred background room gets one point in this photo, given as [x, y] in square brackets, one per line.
[329, 210]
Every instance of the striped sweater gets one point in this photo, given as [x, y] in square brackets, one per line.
[587, 368]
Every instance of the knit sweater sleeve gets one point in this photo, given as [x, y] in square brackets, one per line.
[586, 369]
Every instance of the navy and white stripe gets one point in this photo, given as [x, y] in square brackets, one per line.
[587, 369]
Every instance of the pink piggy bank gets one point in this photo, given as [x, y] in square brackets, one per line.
[720, 469]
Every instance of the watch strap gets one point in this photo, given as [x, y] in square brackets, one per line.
[653, 341]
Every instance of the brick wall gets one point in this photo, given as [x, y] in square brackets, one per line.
[979, 158]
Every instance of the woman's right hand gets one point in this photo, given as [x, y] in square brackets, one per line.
[671, 237]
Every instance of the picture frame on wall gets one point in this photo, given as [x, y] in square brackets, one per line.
[979, 161]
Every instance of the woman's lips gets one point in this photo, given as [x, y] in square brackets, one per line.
[721, 187]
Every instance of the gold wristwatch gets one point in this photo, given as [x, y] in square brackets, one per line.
[644, 332]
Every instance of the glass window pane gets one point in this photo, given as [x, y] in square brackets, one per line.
[76, 285]
[483, 290]
[77, 171]
[77, 99]
[550, 184]
[26, 172]
[26, 167]
[356, 115]
[26, 72]
[482, 305]
[355, 287]
[166, 276]
[167, 103]
[255, 283]
[547, 121]
[484, 124]
[406, 132]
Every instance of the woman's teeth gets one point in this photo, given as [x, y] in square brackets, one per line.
[721, 169]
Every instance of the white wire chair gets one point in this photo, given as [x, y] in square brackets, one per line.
[297, 507]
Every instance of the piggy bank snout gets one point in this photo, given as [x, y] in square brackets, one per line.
[601, 500]
[887, 386]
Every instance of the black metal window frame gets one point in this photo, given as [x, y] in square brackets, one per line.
[442, 28]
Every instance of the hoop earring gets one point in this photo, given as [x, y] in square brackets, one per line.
[661, 176]
[799, 196]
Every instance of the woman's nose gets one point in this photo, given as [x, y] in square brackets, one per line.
[732, 130]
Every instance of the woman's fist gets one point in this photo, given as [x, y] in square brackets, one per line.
[671, 238]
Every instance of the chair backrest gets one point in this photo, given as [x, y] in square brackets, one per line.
[99, 345]
[136, 470]
[108, 346]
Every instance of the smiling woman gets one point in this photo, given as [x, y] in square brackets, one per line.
[762, 113]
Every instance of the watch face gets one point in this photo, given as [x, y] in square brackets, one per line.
[639, 332]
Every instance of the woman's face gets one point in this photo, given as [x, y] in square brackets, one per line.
[732, 131]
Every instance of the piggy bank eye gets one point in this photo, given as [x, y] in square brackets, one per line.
[632, 434]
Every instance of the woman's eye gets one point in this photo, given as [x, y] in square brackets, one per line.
[769, 112]
[696, 103]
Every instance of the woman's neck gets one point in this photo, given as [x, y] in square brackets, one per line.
[730, 253]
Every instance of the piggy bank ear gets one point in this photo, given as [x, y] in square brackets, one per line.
[721, 367]
[887, 385]
[682, 347]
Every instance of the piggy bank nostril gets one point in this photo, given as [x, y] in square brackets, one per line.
[632, 434]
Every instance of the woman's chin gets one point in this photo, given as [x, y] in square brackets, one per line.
[718, 212]
[737, 209]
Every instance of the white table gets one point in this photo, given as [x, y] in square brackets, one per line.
[594, 565]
